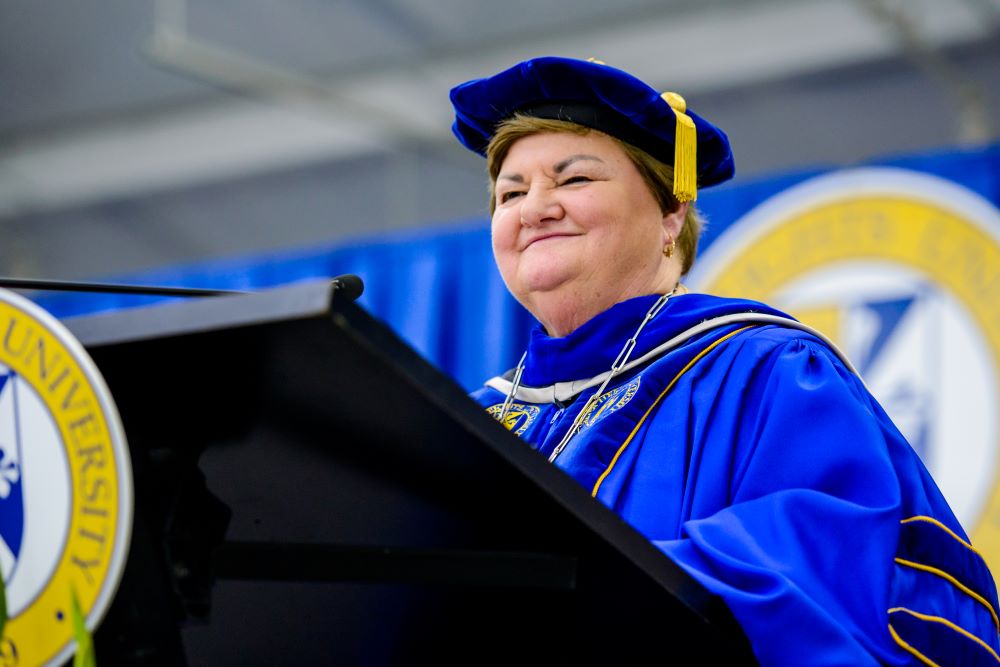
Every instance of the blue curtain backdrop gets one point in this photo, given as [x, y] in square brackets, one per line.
[438, 288]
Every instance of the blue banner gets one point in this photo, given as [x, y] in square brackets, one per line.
[439, 289]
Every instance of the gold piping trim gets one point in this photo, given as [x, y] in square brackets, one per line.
[614, 460]
[955, 582]
[945, 528]
[909, 649]
[946, 622]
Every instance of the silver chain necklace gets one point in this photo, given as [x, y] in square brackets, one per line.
[616, 367]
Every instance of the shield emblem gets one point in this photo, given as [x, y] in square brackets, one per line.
[894, 358]
[11, 496]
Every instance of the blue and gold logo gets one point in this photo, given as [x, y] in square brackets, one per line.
[902, 270]
[518, 418]
[609, 403]
[65, 486]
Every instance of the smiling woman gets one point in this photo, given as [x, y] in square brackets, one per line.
[576, 230]
[736, 439]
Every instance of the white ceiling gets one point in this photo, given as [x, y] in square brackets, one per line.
[117, 97]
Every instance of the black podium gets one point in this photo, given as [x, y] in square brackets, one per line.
[310, 491]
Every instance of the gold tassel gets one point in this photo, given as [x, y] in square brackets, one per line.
[685, 150]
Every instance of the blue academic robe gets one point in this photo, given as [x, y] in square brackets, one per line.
[761, 465]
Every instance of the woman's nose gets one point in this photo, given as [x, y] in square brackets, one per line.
[539, 206]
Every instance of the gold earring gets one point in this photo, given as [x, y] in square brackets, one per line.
[669, 250]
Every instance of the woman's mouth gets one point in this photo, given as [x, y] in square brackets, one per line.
[548, 237]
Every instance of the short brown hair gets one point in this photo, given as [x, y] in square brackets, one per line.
[659, 176]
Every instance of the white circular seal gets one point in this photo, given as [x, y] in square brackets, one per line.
[902, 270]
[65, 486]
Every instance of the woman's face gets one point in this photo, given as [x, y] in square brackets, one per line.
[575, 222]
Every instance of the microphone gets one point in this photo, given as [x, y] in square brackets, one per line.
[76, 286]
[348, 286]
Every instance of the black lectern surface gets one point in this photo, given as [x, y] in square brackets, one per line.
[309, 490]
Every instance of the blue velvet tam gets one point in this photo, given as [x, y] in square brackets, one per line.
[595, 95]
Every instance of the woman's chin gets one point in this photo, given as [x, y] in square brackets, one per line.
[544, 279]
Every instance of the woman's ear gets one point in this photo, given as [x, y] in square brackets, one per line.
[673, 222]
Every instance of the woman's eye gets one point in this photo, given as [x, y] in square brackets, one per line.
[577, 179]
[507, 196]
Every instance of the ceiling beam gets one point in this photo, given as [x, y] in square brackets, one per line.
[282, 118]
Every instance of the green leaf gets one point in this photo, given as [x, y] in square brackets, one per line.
[85, 656]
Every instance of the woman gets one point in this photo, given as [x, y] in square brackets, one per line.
[739, 442]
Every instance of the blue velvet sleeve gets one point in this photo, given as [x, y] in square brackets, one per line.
[804, 553]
